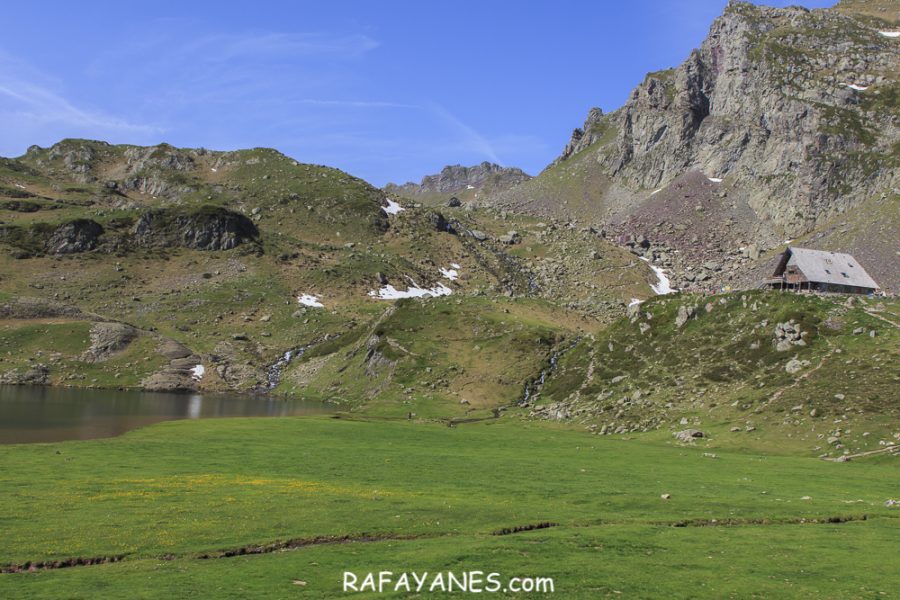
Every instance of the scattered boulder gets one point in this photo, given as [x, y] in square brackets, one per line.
[172, 350]
[454, 202]
[510, 238]
[633, 312]
[688, 436]
[795, 366]
[440, 223]
[684, 314]
[788, 335]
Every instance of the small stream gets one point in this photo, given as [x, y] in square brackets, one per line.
[533, 387]
[275, 370]
[273, 373]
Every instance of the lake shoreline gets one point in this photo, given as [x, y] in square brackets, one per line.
[44, 413]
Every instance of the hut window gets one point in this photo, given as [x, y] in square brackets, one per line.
[827, 271]
[845, 275]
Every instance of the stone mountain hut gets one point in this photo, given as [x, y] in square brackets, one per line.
[802, 269]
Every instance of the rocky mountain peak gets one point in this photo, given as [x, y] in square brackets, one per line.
[457, 179]
[582, 137]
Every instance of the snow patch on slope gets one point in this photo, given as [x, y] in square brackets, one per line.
[663, 285]
[389, 292]
[310, 300]
[392, 207]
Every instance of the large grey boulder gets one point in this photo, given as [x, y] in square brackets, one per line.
[688, 436]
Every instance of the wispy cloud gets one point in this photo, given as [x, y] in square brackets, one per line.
[40, 105]
[35, 107]
[355, 103]
[478, 142]
[227, 47]
[179, 67]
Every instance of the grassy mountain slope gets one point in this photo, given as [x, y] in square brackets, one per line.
[211, 250]
[713, 363]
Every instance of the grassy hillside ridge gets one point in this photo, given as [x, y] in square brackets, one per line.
[713, 363]
[212, 249]
[446, 358]
[325, 203]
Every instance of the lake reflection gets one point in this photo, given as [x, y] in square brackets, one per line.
[47, 414]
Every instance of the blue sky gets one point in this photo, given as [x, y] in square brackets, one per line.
[388, 90]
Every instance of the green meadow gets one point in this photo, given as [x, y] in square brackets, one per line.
[371, 495]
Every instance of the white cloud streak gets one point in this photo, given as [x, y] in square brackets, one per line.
[478, 142]
[226, 47]
[355, 103]
[40, 105]
[33, 108]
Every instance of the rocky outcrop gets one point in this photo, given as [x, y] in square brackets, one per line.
[80, 235]
[157, 170]
[783, 125]
[788, 335]
[108, 339]
[33, 375]
[440, 223]
[76, 158]
[180, 374]
[206, 228]
[457, 179]
[71, 237]
[582, 137]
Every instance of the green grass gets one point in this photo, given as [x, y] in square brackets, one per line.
[722, 368]
[180, 489]
[427, 357]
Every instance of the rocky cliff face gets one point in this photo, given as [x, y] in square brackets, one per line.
[206, 228]
[798, 108]
[460, 180]
[75, 236]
